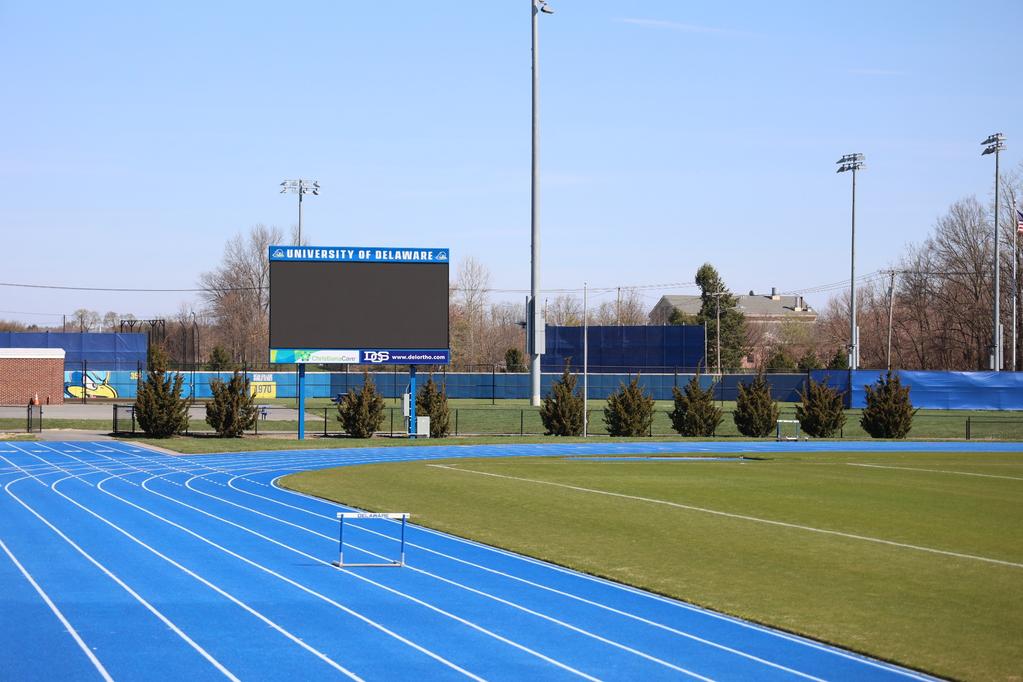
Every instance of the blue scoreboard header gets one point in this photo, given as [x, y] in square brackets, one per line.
[358, 254]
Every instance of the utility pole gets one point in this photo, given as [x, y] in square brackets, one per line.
[717, 328]
[891, 312]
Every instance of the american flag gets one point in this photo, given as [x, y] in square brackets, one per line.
[1019, 221]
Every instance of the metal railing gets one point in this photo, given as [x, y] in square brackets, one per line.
[525, 421]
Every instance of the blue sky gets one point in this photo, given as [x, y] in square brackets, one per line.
[139, 137]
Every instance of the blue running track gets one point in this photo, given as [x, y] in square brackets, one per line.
[118, 562]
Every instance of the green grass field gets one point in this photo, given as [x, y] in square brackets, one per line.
[949, 615]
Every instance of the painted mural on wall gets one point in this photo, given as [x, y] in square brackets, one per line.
[92, 385]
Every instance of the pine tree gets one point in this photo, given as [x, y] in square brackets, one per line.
[889, 412]
[714, 293]
[780, 360]
[808, 361]
[514, 361]
[434, 404]
[219, 359]
[361, 412]
[695, 413]
[821, 413]
[840, 360]
[562, 408]
[159, 406]
[629, 411]
[755, 413]
[233, 408]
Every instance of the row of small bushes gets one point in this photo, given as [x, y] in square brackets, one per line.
[162, 411]
[821, 411]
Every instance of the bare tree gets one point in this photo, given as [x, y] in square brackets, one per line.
[565, 311]
[86, 320]
[237, 293]
[471, 290]
[941, 305]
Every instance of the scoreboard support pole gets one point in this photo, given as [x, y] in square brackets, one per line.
[412, 401]
[301, 401]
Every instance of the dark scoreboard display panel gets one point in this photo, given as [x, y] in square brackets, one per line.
[370, 300]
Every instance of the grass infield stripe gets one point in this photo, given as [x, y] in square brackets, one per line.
[60, 616]
[743, 517]
[934, 471]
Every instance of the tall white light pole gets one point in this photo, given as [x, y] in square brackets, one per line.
[586, 366]
[993, 145]
[852, 162]
[300, 187]
[535, 316]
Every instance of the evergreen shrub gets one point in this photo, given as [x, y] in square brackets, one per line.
[821, 412]
[889, 412]
[159, 406]
[434, 404]
[233, 409]
[755, 413]
[629, 411]
[562, 408]
[695, 413]
[361, 412]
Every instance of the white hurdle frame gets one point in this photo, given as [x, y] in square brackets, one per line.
[786, 421]
[341, 516]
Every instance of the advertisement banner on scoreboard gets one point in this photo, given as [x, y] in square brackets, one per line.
[364, 356]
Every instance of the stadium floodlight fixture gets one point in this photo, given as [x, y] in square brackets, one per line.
[994, 144]
[300, 187]
[852, 162]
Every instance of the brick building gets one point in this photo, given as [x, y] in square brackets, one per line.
[29, 372]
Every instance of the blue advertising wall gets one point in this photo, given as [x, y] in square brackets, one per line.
[99, 351]
[622, 349]
[931, 390]
[937, 390]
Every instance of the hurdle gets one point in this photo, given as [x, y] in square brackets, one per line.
[395, 516]
[779, 435]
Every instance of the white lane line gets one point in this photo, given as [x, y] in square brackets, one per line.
[60, 616]
[333, 459]
[536, 585]
[284, 578]
[54, 465]
[319, 654]
[362, 578]
[273, 573]
[481, 593]
[934, 471]
[637, 592]
[127, 588]
[743, 517]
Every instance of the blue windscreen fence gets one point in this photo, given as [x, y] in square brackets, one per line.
[624, 349]
[95, 351]
[936, 390]
[928, 390]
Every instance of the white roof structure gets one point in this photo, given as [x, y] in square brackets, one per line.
[31, 353]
